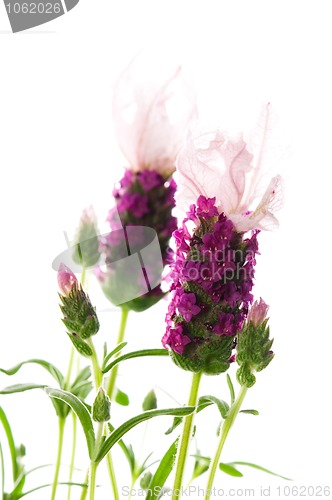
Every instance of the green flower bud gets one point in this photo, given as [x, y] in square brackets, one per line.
[86, 250]
[254, 346]
[80, 316]
[146, 480]
[101, 408]
[150, 401]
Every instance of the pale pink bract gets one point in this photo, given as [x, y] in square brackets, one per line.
[215, 164]
[66, 279]
[258, 312]
[152, 109]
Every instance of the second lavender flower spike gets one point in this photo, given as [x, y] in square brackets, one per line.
[152, 110]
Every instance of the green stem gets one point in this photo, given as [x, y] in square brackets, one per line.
[112, 378]
[97, 373]
[62, 422]
[70, 368]
[2, 473]
[83, 275]
[92, 480]
[93, 464]
[67, 388]
[185, 438]
[110, 391]
[227, 425]
[73, 453]
[85, 490]
[131, 488]
[111, 472]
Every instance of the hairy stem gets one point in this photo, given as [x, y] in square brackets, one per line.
[113, 375]
[185, 437]
[110, 391]
[227, 425]
[73, 453]
[94, 464]
[61, 422]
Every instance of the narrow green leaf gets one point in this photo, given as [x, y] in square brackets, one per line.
[150, 401]
[83, 375]
[30, 471]
[19, 485]
[258, 467]
[82, 385]
[127, 450]
[176, 422]
[230, 470]
[135, 354]
[231, 388]
[110, 355]
[203, 403]
[201, 466]
[129, 424]
[163, 471]
[250, 412]
[144, 465]
[12, 389]
[11, 444]
[2, 473]
[81, 411]
[221, 405]
[121, 398]
[68, 483]
[53, 370]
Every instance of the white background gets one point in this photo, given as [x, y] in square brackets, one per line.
[58, 155]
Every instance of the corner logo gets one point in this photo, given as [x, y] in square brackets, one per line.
[28, 14]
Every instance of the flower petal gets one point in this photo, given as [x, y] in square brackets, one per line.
[263, 216]
[152, 108]
[213, 164]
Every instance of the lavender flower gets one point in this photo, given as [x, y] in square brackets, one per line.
[219, 178]
[212, 280]
[151, 116]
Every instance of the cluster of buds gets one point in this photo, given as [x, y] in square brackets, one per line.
[80, 317]
[86, 250]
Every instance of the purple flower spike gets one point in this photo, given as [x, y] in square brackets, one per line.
[66, 279]
[213, 267]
